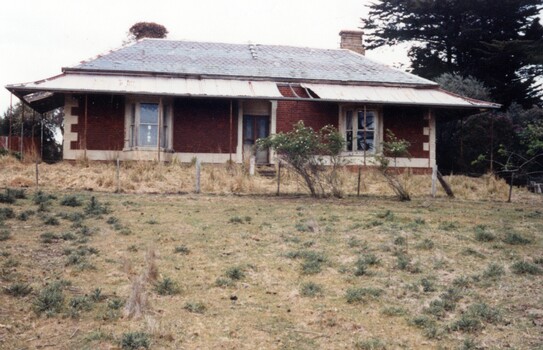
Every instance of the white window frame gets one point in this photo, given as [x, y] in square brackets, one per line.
[133, 123]
[377, 125]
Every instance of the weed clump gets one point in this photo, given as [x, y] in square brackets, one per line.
[95, 208]
[6, 213]
[167, 286]
[514, 238]
[18, 289]
[195, 307]
[135, 341]
[526, 268]
[71, 201]
[78, 304]
[49, 300]
[311, 289]
[370, 344]
[42, 198]
[48, 237]
[472, 320]
[5, 235]
[182, 249]
[358, 295]
[235, 273]
[494, 271]
[482, 235]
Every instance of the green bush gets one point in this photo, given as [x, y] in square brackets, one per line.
[370, 344]
[235, 273]
[71, 201]
[182, 249]
[6, 213]
[482, 235]
[311, 289]
[18, 289]
[95, 208]
[514, 238]
[526, 268]
[49, 300]
[167, 286]
[135, 341]
[358, 295]
[42, 198]
[195, 307]
[493, 271]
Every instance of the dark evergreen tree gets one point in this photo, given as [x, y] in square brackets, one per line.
[497, 42]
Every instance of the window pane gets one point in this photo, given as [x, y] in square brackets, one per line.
[370, 118]
[149, 113]
[349, 121]
[349, 140]
[368, 145]
[248, 130]
[262, 127]
[148, 135]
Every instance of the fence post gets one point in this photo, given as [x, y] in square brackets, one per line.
[118, 177]
[197, 175]
[359, 178]
[278, 178]
[434, 180]
[252, 161]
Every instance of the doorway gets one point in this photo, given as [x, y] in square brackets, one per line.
[255, 127]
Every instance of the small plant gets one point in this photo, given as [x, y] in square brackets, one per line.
[394, 311]
[426, 244]
[482, 235]
[468, 344]
[51, 220]
[311, 289]
[25, 215]
[112, 220]
[400, 240]
[135, 341]
[49, 300]
[78, 304]
[182, 249]
[95, 208]
[71, 201]
[195, 307]
[6, 213]
[370, 344]
[223, 282]
[96, 295]
[422, 321]
[485, 313]
[11, 262]
[403, 262]
[358, 295]
[68, 236]
[361, 267]
[526, 268]
[16, 193]
[420, 221]
[235, 273]
[428, 285]
[167, 287]
[467, 323]
[494, 271]
[42, 198]
[18, 290]
[514, 238]
[6, 198]
[48, 237]
[235, 220]
[115, 304]
[5, 235]
[448, 226]
[387, 215]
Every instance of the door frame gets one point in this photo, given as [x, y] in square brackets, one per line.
[256, 132]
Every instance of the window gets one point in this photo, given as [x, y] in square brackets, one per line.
[148, 125]
[360, 130]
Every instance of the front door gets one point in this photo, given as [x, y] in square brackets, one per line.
[255, 127]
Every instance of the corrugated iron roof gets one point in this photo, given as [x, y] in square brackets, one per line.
[274, 62]
[394, 95]
[120, 84]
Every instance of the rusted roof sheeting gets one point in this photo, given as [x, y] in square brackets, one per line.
[120, 84]
[395, 95]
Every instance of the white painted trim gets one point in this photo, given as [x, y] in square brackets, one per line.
[273, 128]
[426, 131]
[69, 120]
[432, 126]
[239, 147]
[425, 146]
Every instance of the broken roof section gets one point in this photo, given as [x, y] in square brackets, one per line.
[199, 69]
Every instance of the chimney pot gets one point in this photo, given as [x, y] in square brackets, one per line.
[352, 40]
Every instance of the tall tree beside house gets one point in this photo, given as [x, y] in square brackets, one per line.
[142, 30]
[497, 42]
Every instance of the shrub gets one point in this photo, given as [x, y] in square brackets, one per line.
[428, 285]
[167, 287]
[394, 311]
[24, 215]
[115, 304]
[403, 262]
[71, 201]
[78, 304]
[361, 267]
[48, 237]
[484, 312]
[526, 268]
[235, 273]
[51, 220]
[311, 289]
[358, 295]
[16, 193]
[467, 323]
[387, 215]
[6, 198]
[514, 238]
[235, 220]
[95, 208]
[195, 307]
[223, 282]
[42, 198]
[427, 244]
[422, 321]
[448, 226]
[49, 300]
[18, 289]
[135, 341]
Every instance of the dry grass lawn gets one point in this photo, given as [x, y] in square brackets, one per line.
[264, 272]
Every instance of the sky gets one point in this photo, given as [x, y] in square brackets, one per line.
[40, 37]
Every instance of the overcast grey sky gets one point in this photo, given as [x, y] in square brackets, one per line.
[40, 37]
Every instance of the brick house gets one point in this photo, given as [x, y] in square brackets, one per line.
[163, 100]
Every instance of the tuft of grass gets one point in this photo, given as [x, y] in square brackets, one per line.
[223, 282]
[394, 311]
[95, 208]
[311, 289]
[426, 244]
[195, 307]
[6, 198]
[71, 201]
[51, 221]
[361, 267]
[18, 289]
[526, 268]
[25, 215]
[482, 235]
[235, 220]
[48, 237]
[112, 220]
[387, 215]
[167, 286]
[403, 262]
[428, 284]
[370, 344]
[5, 235]
[17, 193]
[514, 238]
[115, 304]
[135, 341]
[6, 213]
[49, 300]
[358, 295]
[181, 249]
[78, 304]
[448, 225]
[494, 271]
[235, 273]
[42, 198]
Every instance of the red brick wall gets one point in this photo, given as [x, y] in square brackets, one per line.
[315, 114]
[203, 126]
[105, 123]
[408, 123]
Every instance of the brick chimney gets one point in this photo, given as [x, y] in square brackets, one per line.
[352, 40]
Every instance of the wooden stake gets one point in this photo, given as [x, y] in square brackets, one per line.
[359, 178]
[197, 175]
[278, 178]
[434, 180]
[118, 177]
